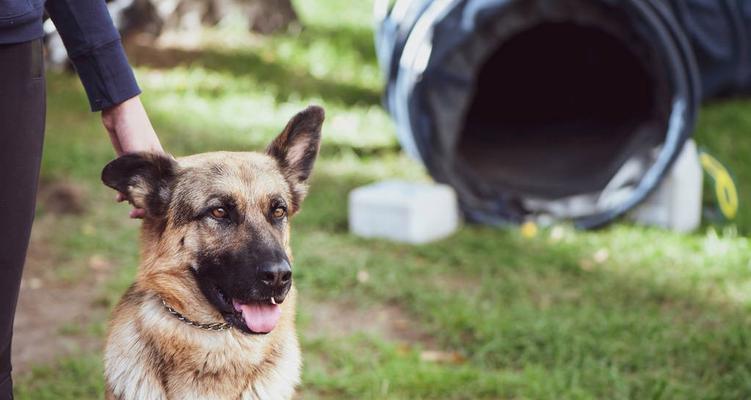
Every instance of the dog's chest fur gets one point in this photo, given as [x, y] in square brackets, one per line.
[152, 355]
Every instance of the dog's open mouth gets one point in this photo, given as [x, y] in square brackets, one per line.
[256, 316]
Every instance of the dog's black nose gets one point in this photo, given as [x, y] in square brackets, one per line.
[276, 274]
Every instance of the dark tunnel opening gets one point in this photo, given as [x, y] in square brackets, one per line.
[558, 108]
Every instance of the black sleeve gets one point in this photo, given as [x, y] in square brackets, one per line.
[95, 48]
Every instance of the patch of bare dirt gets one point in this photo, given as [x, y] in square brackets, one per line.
[457, 283]
[63, 198]
[160, 57]
[341, 319]
[53, 316]
[331, 320]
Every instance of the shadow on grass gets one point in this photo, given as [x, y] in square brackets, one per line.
[200, 140]
[277, 77]
[355, 39]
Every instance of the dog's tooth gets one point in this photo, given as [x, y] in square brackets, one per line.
[273, 301]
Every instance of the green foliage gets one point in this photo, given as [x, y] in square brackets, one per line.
[622, 313]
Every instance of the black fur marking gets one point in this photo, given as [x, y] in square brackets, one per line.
[217, 169]
[295, 197]
[162, 366]
[182, 212]
[131, 295]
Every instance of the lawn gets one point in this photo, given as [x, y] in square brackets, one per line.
[623, 313]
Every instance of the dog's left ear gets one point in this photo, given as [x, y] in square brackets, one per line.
[296, 149]
[145, 178]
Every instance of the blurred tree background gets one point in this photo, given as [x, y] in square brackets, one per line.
[262, 16]
[627, 312]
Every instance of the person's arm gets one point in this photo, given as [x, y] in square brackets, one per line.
[130, 130]
[94, 47]
[96, 51]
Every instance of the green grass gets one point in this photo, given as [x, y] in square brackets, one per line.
[623, 313]
[74, 378]
[720, 130]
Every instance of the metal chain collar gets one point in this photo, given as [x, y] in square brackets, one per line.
[214, 326]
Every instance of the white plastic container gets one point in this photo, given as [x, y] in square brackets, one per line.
[676, 203]
[403, 211]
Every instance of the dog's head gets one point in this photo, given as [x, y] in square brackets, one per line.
[222, 218]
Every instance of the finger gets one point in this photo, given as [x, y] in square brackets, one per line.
[137, 213]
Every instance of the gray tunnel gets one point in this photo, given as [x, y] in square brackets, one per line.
[574, 109]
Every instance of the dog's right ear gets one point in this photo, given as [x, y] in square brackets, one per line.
[144, 178]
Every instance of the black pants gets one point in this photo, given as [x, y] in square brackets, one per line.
[22, 112]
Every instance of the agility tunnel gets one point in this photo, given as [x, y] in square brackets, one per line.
[572, 109]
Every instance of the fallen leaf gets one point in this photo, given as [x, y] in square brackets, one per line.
[586, 264]
[528, 230]
[99, 263]
[447, 357]
[601, 256]
[35, 283]
[557, 234]
[363, 276]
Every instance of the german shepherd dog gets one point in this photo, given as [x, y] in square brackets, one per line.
[211, 313]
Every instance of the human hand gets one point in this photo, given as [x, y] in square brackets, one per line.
[130, 131]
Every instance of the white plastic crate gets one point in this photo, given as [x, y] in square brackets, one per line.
[403, 211]
[676, 203]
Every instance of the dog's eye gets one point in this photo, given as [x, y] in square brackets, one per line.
[278, 213]
[219, 213]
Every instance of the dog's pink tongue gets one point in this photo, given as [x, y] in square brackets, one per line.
[260, 318]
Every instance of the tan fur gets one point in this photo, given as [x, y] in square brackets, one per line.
[150, 354]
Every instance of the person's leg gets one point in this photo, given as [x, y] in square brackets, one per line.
[22, 113]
